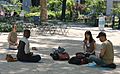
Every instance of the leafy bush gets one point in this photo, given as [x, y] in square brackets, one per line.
[32, 14]
[95, 7]
[20, 28]
[51, 15]
[6, 27]
[34, 9]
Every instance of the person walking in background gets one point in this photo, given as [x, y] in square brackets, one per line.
[24, 53]
[12, 38]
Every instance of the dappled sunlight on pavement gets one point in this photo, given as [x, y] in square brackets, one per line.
[72, 42]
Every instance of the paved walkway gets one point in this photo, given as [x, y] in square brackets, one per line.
[72, 43]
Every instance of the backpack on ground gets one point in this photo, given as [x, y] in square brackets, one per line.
[63, 56]
[59, 54]
[79, 59]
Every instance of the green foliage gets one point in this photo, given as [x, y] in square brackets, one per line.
[69, 9]
[93, 7]
[70, 4]
[20, 27]
[51, 15]
[54, 5]
[55, 8]
[14, 1]
[32, 14]
[116, 11]
[34, 9]
[96, 7]
[14, 5]
[7, 27]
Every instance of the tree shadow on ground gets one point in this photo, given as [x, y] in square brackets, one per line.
[51, 66]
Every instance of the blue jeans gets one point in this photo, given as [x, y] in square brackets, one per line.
[97, 60]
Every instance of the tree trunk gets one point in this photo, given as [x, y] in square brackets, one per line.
[63, 9]
[43, 10]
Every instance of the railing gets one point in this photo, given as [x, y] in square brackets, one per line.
[53, 28]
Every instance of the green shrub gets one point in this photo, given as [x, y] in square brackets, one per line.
[6, 27]
[20, 28]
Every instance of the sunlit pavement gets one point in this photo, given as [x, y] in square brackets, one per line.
[72, 42]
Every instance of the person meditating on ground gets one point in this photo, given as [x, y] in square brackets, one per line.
[12, 38]
[24, 53]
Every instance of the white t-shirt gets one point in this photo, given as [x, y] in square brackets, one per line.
[27, 45]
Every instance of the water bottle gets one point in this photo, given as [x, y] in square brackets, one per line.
[101, 23]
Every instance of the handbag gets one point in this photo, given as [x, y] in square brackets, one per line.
[63, 56]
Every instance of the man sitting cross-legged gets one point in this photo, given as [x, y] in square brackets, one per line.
[106, 56]
[24, 53]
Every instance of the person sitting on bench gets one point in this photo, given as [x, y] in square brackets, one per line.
[24, 53]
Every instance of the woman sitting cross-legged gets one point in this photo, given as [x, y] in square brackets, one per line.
[89, 45]
[12, 38]
[24, 53]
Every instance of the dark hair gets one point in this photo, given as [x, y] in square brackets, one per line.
[26, 31]
[89, 33]
[101, 34]
[14, 24]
